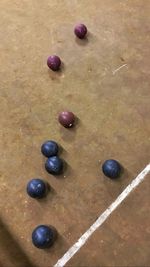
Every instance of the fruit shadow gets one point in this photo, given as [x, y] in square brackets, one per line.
[62, 151]
[50, 195]
[124, 177]
[11, 249]
[84, 41]
[60, 244]
[69, 134]
[55, 75]
[66, 171]
[122, 181]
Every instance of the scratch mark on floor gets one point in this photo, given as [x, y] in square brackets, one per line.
[124, 65]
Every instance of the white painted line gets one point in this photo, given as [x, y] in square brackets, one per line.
[124, 65]
[102, 218]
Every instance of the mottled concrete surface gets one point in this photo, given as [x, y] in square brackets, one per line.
[113, 110]
[124, 239]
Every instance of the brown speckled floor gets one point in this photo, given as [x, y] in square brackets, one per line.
[113, 110]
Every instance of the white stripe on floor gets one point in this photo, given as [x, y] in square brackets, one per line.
[102, 218]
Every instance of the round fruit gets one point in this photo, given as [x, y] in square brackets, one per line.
[54, 62]
[36, 188]
[111, 168]
[80, 31]
[54, 165]
[43, 236]
[49, 149]
[66, 118]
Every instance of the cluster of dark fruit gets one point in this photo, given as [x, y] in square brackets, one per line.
[44, 236]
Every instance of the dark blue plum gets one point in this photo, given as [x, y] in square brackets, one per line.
[54, 165]
[49, 149]
[36, 188]
[43, 236]
[111, 168]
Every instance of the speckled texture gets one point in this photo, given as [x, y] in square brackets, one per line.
[124, 239]
[113, 122]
